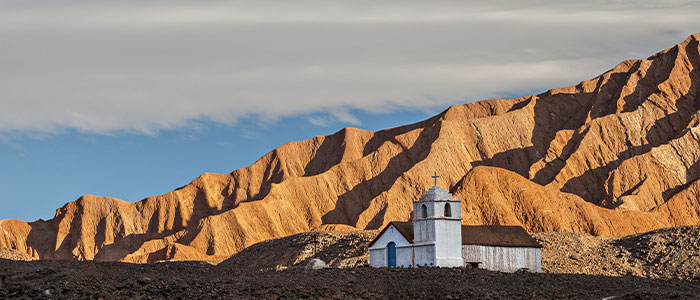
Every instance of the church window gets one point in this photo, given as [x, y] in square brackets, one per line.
[448, 211]
[424, 211]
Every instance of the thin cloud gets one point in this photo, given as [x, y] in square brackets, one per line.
[346, 117]
[319, 121]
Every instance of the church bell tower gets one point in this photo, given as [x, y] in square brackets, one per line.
[437, 229]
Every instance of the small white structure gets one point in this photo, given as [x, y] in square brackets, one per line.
[436, 237]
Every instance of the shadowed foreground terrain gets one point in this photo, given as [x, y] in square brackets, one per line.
[173, 280]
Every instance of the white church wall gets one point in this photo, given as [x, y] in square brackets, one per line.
[439, 209]
[377, 253]
[404, 256]
[448, 250]
[504, 259]
[424, 230]
[377, 257]
[424, 255]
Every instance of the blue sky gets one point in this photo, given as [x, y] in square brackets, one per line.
[131, 99]
[40, 174]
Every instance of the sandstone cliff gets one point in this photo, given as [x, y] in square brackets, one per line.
[614, 155]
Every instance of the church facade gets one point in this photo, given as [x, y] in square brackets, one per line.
[436, 237]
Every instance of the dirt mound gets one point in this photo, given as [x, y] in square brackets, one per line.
[12, 254]
[191, 280]
[339, 249]
[614, 155]
[664, 253]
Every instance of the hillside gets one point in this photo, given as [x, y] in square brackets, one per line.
[611, 156]
[337, 249]
[664, 253]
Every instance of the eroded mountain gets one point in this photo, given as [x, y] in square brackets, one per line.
[614, 155]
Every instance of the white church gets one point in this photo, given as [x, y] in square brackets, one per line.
[437, 238]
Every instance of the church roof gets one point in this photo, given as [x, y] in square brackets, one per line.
[497, 235]
[484, 235]
[404, 228]
[436, 193]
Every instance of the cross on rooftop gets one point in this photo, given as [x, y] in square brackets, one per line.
[435, 177]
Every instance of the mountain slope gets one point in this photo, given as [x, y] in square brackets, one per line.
[614, 155]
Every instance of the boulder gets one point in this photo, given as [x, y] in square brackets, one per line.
[315, 264]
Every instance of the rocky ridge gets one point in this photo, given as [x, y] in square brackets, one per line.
[614, 155]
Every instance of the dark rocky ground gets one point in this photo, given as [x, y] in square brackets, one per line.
[185, 280]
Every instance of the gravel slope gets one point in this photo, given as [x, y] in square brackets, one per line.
[663, 253]
[12, 254]
[339, 249]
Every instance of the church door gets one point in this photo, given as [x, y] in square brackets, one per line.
[391, 254]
